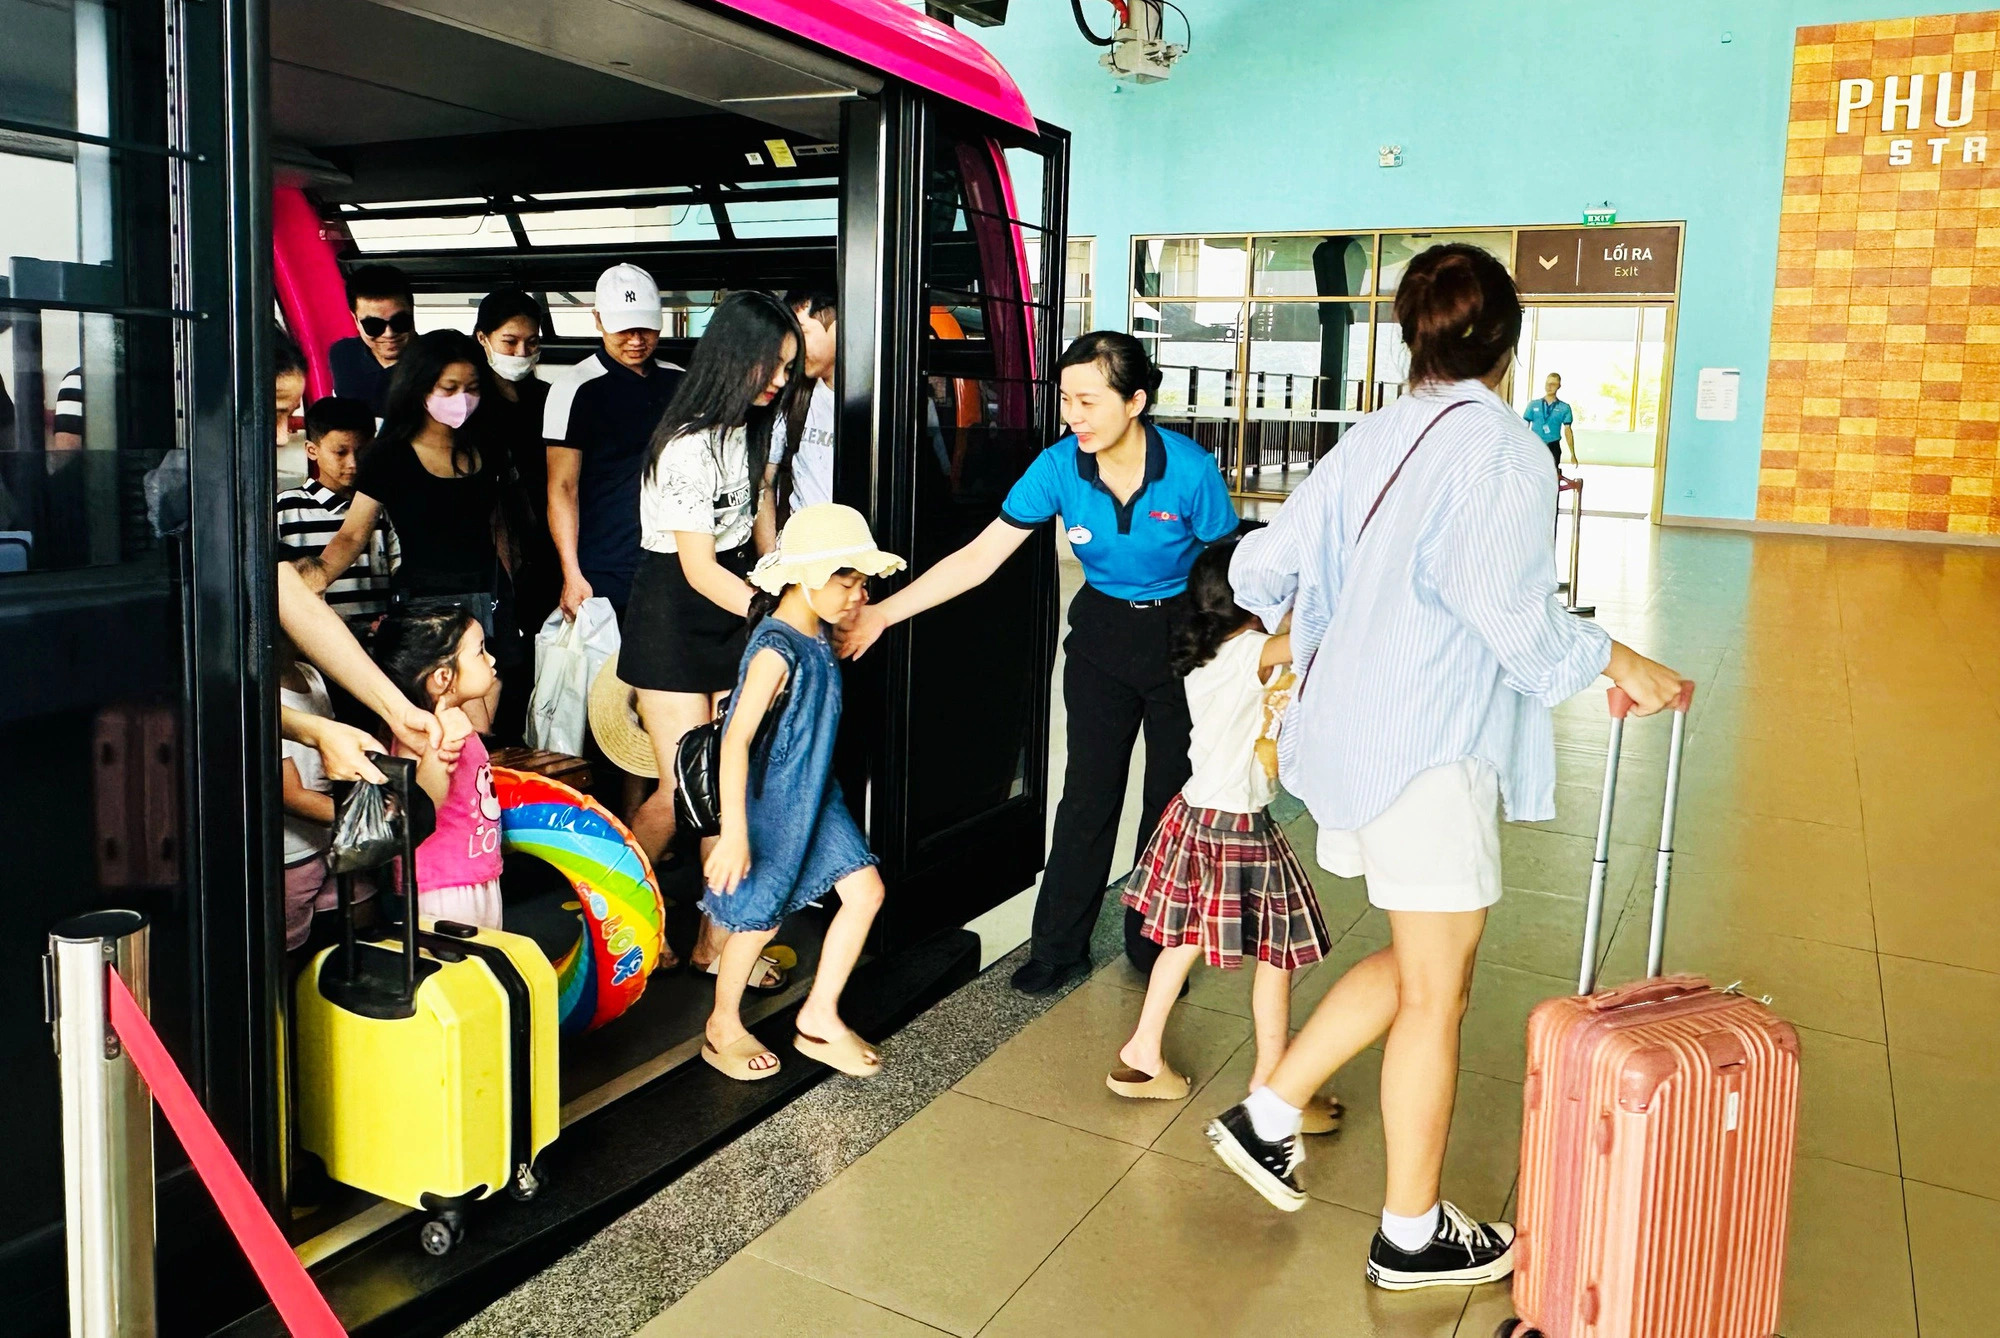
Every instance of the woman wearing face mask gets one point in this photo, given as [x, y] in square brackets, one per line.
[509, 330]
[433, 468]
[684, 627]
[1139, 503]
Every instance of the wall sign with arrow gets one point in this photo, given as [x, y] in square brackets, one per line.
[1597, 260]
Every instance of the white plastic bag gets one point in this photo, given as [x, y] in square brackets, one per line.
[568, 654]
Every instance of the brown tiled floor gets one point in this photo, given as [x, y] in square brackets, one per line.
[1839, 850]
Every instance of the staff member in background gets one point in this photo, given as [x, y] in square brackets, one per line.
[509, 330]
[1140, 503]
[598, 427]
[385, 320]
[1552, 420]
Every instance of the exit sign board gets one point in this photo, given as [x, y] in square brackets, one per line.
[1600, 218]
[1597, 260]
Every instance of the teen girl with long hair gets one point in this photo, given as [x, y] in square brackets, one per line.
[684, 627]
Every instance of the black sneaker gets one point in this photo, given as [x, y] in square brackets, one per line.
[1269, 1168]
[1462, 1253]
[1037, 977]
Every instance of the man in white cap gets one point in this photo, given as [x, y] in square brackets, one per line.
[598, 423]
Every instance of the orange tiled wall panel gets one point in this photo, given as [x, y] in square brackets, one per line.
[1884, 400]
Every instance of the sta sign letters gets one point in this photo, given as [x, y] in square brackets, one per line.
[1904, 106]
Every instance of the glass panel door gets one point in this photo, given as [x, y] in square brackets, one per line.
[1608, 363]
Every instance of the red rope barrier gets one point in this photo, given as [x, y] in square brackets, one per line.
[285, 1280]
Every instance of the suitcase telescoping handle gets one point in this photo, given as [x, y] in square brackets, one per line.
[401, 773]
[1593, 919]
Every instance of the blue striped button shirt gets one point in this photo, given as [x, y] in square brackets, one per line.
[1438, 636]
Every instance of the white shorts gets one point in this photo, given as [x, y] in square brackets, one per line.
[1437, 848]
[476, 904]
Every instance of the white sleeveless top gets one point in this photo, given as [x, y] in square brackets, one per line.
[1226, 701]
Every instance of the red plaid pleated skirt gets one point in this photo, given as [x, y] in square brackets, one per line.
[1230, 882]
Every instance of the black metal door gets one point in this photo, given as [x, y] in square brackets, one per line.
[947, 390]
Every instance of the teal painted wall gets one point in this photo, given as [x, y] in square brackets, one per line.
[1509, 112]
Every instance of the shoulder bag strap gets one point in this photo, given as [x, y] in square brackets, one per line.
[1395, 474]
[1398, 471]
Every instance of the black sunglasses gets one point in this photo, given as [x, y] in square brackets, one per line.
[375, 326]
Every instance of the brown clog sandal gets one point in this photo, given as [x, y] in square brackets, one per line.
[739, 1058]
[1166, 1085]
[846, 1052]
[1321, 1115]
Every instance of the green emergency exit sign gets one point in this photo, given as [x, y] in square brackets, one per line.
[1601, 216]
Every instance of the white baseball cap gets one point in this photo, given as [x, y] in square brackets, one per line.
[627, 299]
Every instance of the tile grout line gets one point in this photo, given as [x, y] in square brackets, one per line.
[1882, 995]
[1043, 1261]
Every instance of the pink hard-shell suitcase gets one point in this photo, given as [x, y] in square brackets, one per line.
[1656, 1138]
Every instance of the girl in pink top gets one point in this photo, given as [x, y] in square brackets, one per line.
[438, 657]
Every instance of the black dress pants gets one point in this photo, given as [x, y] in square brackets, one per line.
[1116, 680]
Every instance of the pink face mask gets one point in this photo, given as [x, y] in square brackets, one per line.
[452, 410]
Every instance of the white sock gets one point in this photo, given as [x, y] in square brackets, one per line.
[1274, 1118]
[1410, 1234]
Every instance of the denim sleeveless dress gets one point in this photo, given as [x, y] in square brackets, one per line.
[803, 840]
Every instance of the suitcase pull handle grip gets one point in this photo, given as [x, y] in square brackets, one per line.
[1657, 990]
[1621, 700]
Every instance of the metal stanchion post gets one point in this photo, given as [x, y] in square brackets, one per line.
[107, 1126]
[1574, 487]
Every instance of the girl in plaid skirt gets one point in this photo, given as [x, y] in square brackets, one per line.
[1219, 879]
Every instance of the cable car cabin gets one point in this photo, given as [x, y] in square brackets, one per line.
[159, 163]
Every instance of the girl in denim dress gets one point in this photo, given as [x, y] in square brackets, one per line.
[787, 837]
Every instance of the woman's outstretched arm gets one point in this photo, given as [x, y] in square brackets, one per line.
[964, 569]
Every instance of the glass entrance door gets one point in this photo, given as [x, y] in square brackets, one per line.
[1613, 363]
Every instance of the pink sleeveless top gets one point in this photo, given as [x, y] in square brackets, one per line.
[465, 848]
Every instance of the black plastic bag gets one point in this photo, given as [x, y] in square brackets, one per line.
[369, 819]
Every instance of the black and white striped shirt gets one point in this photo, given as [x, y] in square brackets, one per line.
[308, 518]
[69, 403]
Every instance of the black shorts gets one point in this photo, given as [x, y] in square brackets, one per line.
[675, 639]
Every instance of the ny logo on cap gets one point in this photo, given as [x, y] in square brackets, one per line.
[631, 296]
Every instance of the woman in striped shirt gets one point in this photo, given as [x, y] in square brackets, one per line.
[1415, 564]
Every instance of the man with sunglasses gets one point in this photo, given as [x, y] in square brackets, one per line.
[383, 307]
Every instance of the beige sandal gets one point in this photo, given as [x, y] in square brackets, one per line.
[1321, 1115]
[739, 1058]
[846, 1052]
[769, 976]
[1166, 1085]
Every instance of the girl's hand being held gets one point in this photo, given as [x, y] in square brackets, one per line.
[861, 631]
[729, 863]
[1652, 686]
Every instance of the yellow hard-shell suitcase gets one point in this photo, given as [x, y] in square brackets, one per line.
[427, 1072]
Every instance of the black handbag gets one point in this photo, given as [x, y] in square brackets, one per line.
[698, 766]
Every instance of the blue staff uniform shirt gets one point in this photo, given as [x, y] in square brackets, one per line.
[1548, 420]
[1138, 550]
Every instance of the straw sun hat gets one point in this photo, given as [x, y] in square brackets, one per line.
[614, 719]
[819, 541]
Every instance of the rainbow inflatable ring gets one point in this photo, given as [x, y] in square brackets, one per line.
[604, 972]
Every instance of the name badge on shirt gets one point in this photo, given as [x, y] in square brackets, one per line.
[1079, 535]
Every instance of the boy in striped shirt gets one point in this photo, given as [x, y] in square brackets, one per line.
[337, 431]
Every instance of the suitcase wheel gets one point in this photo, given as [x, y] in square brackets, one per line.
[1514, 1328]
[525, 1184]
[441, 1233]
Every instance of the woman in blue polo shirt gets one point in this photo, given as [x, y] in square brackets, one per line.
[1138, 503]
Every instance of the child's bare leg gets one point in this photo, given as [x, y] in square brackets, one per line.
[860, 897]
[732, 973]
[1163, 987]
[1271, 1014]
